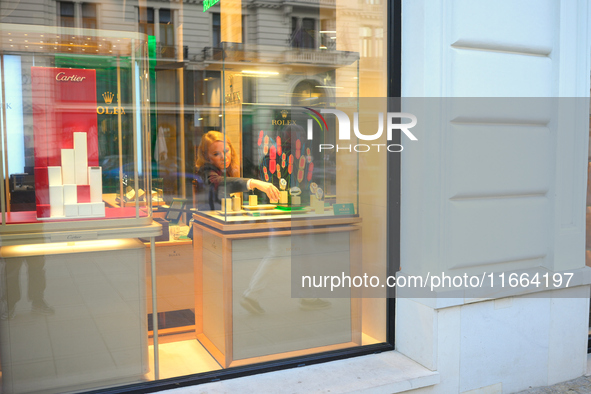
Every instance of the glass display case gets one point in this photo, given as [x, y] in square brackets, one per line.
[74, 135]
[293, 147]
[276, 190]
[75, 196]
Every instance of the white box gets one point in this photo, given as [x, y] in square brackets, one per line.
[98, 209]
[54, 173]
[283, 199]
[68, 171]
[85, 209]
[81, 158]
[71, 210]
[71, 195]
[56, 200]
[95, 180]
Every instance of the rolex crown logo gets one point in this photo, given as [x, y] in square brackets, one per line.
[284, 113]
[108, 96]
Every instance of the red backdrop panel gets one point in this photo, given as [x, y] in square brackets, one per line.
[64, 102]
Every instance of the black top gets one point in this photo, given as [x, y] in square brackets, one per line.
[212, 187]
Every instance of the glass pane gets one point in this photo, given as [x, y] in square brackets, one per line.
[75, 198]
[225, 150]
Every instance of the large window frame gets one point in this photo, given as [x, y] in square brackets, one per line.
[394, 48]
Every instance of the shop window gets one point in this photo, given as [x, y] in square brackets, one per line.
[221, 301]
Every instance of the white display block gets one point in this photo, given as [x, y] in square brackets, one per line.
[319, 207]
[283, 199]
[71, 195]
[56, 200]
[81, 158]
[98, 209]
[85, 209]
[54, 174]
[68, 172]
[71, 210]
[95, 180]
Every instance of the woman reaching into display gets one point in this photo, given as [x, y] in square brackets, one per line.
[213, 161]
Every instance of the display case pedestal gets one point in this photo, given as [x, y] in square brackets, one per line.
[86, 322]
[250, 259]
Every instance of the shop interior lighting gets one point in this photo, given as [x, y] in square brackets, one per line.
[329, 87]
[256, 72]
[328, 31]
[66, 247]
[200, 119]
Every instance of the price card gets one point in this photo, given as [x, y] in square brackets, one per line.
[344, 209]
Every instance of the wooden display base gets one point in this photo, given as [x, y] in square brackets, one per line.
[228, 255]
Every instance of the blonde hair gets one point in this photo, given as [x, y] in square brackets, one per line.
[203, 152]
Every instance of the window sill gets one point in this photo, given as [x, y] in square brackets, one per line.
[388, 372]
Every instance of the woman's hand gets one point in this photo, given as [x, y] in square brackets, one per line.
[268, 188]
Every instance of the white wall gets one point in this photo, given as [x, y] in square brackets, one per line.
[497, 190]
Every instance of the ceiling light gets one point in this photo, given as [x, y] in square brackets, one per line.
[328, 31]
[256, 72]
